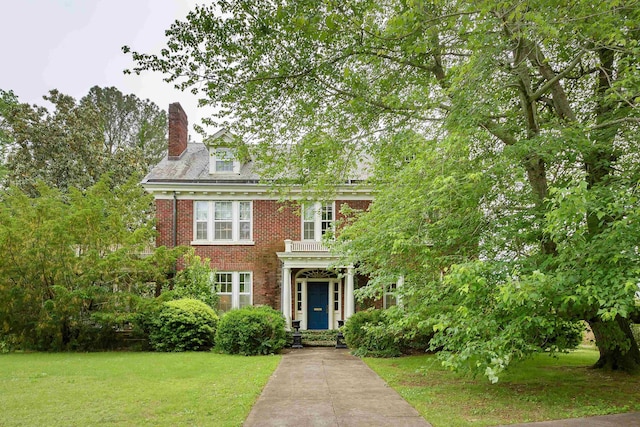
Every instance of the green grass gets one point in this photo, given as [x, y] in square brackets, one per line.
[65, 389]
[539, 389]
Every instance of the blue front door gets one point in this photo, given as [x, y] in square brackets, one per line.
[317, 305]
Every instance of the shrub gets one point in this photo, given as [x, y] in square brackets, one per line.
[354, 328]
[195, 281]
[183, 325]
[386, 333]
[251, 331]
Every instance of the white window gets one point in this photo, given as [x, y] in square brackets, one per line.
[317, 219]
[390, 296]
[223, 161]
[223, 221]
[234, 290]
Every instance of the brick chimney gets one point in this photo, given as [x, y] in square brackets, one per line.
[178, 131]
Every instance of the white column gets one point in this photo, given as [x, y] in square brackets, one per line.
[286, 295]
[303, 321]
[330, 312]
[399, 284]
[348, 293]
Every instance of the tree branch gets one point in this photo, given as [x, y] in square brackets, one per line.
[559, 76]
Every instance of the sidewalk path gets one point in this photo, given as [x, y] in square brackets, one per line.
[329, 387]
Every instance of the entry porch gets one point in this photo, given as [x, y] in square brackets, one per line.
[313, 289]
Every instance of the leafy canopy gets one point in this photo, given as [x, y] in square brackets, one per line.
[76, 142]
[503, 138]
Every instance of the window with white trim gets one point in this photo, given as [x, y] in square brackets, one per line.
[223, 221]
[223, 160]
[317, 219]
[390, 296]
[234, 289]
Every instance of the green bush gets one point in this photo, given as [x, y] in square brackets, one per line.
[354, 328]
[251, 331]
[386, 333]
[195, 280]
[183, 325]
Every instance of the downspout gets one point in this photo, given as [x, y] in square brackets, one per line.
[174, 231]
[175, 220]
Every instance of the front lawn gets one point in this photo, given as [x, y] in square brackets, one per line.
[64, 389]
[539, 389]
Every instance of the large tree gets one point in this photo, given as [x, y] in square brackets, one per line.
[130, 124]
[75, 142]
[511, 127]
[7, 101]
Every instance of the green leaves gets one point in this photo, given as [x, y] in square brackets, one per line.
[195, 280]
[65, 258]
[75, 143]
[502, 141]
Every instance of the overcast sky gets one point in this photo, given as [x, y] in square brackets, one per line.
[72, 45]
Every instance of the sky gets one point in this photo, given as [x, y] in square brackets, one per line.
[72, 45]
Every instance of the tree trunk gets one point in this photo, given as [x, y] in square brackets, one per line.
[609, 335]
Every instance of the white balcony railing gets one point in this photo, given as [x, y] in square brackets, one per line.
[298, 246]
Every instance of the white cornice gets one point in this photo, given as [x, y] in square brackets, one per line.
[244, 191]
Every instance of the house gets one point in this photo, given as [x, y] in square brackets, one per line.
[264, 251]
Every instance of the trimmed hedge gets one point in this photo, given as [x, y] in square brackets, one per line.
[183, 325]
[251, 331]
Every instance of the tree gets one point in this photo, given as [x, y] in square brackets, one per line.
[70, 264]
[130, 125]
[7, 101]
[77, 142]
[514, 127]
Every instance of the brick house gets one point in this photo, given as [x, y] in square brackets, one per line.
[264, 251]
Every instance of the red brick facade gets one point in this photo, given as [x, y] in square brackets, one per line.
[186, 175]
[273, 222]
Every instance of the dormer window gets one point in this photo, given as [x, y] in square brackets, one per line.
[223, 160]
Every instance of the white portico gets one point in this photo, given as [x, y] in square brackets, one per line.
[314, 291]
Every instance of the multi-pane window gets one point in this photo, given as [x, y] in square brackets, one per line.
[390, 297]
[309, 222]
[299, 296]
[234, 290]
[223, 221]
[317, 219]
[326, 218]
[336, 296]
[224, 284]
[244, 289]
[202, 220]
[244, 220]
[224, 160]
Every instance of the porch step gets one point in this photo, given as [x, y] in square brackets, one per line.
[318, 338]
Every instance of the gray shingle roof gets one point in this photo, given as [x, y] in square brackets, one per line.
[193, 166]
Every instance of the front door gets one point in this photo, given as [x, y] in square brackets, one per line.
[317, 305]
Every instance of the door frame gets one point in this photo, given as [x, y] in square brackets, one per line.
[299, 296]
[322, 289]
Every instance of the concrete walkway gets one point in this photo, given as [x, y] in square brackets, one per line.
[329, 387]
